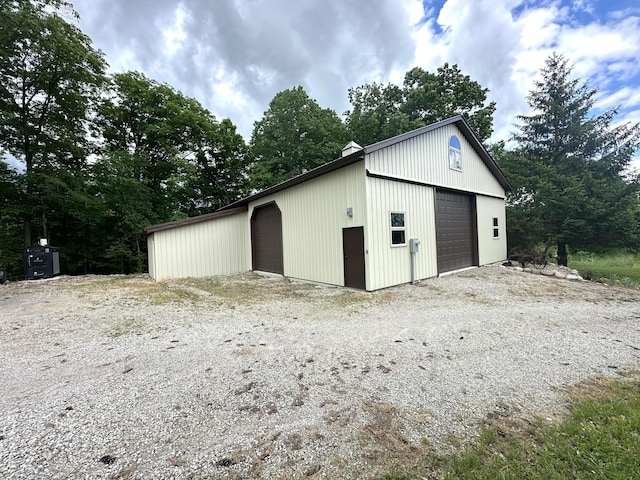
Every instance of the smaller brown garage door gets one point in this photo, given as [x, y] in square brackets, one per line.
[455, 231]
[266, 239]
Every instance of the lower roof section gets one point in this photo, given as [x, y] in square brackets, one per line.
[198, 219]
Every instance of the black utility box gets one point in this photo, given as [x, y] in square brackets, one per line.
[41, 261]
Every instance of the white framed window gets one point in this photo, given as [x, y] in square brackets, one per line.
[455, 154]
[496, 228]
[398, 228]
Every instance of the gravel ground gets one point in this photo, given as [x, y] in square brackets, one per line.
[262, 377]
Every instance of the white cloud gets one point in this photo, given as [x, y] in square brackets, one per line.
[505, 51]
[539, 28]
[174, 34]
[235, 55]
[626, 96]
[483, 39]
[265, 47]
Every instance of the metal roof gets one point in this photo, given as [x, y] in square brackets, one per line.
[242, 204]
[198, 219]
[316, 172]
[460, 122]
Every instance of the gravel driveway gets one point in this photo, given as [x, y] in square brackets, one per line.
[261, 377]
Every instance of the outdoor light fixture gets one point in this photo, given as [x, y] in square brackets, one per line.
[349, 211]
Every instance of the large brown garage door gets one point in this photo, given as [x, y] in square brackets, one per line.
[266, 239]
[455, 231]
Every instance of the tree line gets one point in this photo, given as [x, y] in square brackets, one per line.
[106, 155]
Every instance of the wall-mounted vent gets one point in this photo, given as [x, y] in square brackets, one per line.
[350, 148]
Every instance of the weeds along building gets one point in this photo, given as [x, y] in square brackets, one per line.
[411, 207]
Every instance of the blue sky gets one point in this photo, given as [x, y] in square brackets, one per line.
[235, 55]
[513, 38]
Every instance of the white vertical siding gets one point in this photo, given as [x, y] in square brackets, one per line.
[315, 212]
[313, 216]
[425, 158]
[390, 265]
[213, 247]
[491, 249]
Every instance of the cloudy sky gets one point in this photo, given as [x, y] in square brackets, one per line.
[235, 55]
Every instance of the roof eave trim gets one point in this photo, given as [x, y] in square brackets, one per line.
[192, 220]
[316, 172]
[413, 133]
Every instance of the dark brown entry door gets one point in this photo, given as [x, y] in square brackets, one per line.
[455, 231]
[266, 239]
[353, 250]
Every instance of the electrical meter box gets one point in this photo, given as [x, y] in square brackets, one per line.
[414, 245]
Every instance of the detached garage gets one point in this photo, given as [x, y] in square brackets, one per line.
[414, 206]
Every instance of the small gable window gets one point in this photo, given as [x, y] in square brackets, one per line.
[455, 153]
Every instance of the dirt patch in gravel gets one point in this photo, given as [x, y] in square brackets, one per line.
[252, 376]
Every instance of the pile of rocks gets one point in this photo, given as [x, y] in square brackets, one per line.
[550, 270]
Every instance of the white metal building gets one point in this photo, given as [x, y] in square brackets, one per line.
[411, 207]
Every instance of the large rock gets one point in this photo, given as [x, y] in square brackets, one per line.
[571, 276]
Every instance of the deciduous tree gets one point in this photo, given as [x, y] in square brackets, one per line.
[11, 197]
[431, 97]
[164, 156]
[294, 135]
[50, 74]
[376, 113]
[383, 111]
[218, 173]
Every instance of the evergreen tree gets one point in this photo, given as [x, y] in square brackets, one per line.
[569, 169]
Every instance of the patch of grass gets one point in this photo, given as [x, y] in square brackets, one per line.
[244, 293]
[618, 268]
[127, 326]
[243, 290]
[162, 294]
[108, 282]
[143, 288]
[246, 289]
[599, 439]
[351, 300]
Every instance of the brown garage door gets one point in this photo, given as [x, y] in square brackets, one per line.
[266, 239]
[455, 232]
